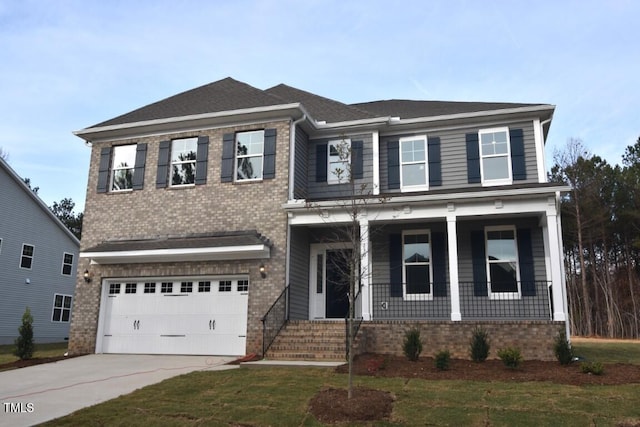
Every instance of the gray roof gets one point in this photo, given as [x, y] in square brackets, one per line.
[229, 94]
[211, 240]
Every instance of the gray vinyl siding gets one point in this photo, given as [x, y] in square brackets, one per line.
[23, 220]
[299, 274]
[301, 164]
[453, 153]
[472, 307]
[322, 190]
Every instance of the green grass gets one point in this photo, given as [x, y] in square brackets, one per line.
[42, 350]
[280, 397]
[608, 352]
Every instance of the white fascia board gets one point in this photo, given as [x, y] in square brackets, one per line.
[476, 114]
[88, 133]
[352, 123]
[177, 255]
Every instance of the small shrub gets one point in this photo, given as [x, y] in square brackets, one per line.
[479, 345]
[595, 368]
[510, 356]
[442, 360]
[24, 343]
[412, 346]
[562, 349]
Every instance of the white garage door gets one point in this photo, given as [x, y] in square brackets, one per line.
[178, 316]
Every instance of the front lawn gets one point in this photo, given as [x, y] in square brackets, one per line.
[42, 350]
[280, 397]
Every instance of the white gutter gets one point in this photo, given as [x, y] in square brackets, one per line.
[475, 114]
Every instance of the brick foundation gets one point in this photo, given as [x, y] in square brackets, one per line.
[534, 338]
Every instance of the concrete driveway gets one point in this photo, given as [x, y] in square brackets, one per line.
[43, 392]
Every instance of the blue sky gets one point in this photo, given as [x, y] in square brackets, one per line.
[66, 65]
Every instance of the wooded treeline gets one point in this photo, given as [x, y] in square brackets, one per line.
[601, 230]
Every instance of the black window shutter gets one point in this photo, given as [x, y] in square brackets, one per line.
[163, 164]
[395, 265]
[103, 169]
[525, 261]
[269, 169]
[479, 264]
[393, 164]
[435, 168]
[473, 158]
[438, 255]
[138, 171]
[357, 161]
[202, 157]
[228, 148]
[321, 163]
[518, 164]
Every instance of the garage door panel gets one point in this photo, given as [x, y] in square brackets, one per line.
[207, 317]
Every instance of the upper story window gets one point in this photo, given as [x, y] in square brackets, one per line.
[67, 264]
[413, 163]
[495, 156]
[249, 155]
[123, 163]
[26, 260]
[339, 161]
[183, 161]
[502, 262]
[416, 264]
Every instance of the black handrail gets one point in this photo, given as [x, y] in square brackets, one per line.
[275, 319]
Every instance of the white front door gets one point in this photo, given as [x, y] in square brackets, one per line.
[174, 316]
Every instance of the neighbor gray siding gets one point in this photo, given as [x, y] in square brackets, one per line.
[23, 220]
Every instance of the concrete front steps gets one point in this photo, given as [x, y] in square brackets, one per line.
[310, 340]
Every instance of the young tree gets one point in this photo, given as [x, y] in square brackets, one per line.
[24, 343]
[64, 212]
[4, 154]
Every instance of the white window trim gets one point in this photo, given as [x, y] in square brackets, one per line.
[501, 181]
[331, 177]
[64, 254]
[236, 157]
[22, 255]
[115, 168]
[53, 309]
[417, 297]
[421, 187]
[502, 295]
[172, 163]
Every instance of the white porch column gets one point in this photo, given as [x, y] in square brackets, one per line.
[555, 259]
[365, 269]
[454, 286]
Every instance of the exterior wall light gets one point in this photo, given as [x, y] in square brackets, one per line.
[87, 276]
[263, 271]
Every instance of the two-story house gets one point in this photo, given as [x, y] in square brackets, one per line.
[38, 261]
[211, 218]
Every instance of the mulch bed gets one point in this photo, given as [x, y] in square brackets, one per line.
[31, 362]
[331, 405]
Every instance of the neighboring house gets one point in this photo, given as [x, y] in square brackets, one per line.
[209, 209]
[38, 261]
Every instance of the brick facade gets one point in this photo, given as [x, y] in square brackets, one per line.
[535, 339]
[208, 208]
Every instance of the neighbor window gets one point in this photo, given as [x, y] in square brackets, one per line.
[339, 161]
[61, 308]
[249, 155]
[502, 262]
[123, 163]
[67, 263]
[413, 163]
[416, 261]
[183, 161]
[26, 260]
[495, 163]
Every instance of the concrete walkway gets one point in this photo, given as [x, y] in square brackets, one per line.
[43, 392]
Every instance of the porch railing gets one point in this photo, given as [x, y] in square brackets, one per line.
[391, 302]
[274, 320]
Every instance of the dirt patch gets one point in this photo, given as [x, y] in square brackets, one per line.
[331, 405]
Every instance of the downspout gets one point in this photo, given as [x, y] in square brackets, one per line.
[292, 164]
